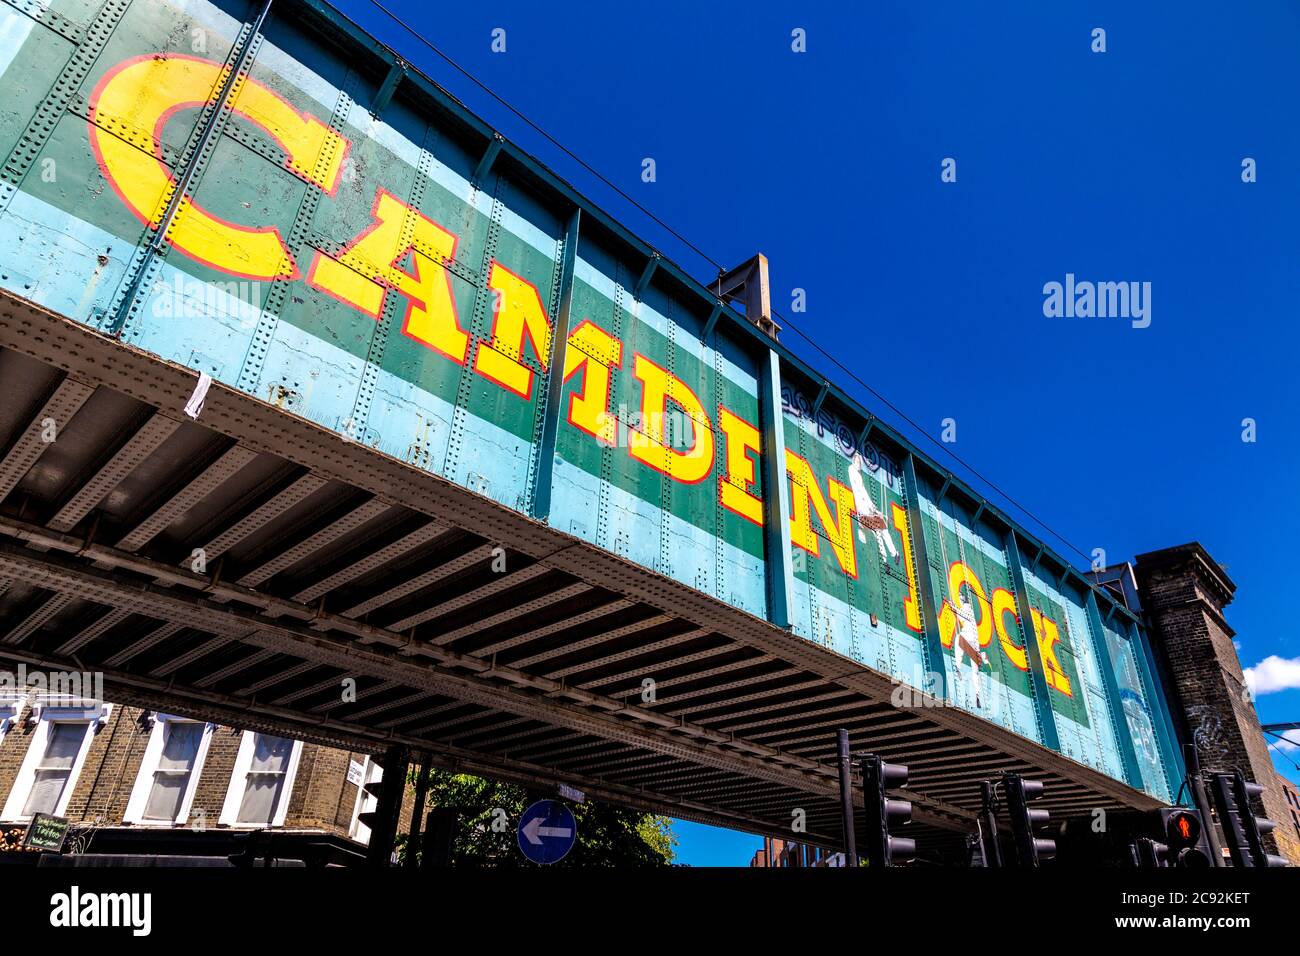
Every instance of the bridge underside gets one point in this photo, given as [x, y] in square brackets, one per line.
[326, 560]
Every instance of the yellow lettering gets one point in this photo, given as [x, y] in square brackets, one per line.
[806, 497]
[1048, 637]
[733, 490]
[519, 312]
[1003, 603]
[595, 351]
[649, 442]
[961, 575]
[911, 610]
[142, 94]
[366, 271]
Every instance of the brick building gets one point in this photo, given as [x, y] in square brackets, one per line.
[1183, 592]
[127, 771]
[776, 852]
[1291, 822]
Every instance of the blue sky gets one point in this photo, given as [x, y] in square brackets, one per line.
[1116, 166]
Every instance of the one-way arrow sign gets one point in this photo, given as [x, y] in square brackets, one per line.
[534, 831]
[547, 831]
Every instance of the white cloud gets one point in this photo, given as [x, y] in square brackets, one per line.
[1290, 740]
[1273, 674]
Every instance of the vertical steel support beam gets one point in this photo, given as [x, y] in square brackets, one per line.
[937, 679]
[439, 835]
[821, 399]
[212, 127]
[487, 159]
[713, 320]
[846, 800]
[643, 283]
[396, 73]
[544, 473]
[414, 838]
[989, 847]
[776, 521]
[1110, 683]
[1160, 717]
[1037, 676]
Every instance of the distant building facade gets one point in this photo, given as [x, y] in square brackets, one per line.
[776, 852]
[1183, 593]
[1292, 797]
[128, 777]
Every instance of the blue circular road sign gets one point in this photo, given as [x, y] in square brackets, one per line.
[547, 831]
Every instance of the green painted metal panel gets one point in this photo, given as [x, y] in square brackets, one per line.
[851, 581]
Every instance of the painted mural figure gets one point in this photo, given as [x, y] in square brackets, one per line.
[966, 646]
[1140, 728]
[870, 518]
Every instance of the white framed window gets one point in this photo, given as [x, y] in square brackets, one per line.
[261, 782]
[10, 706]
[54, 759]
[169, 773]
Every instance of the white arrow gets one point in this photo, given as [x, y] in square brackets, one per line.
[534, 831]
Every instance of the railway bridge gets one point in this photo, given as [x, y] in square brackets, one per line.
[314, 383]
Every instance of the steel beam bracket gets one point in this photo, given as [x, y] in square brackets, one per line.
[748, 284]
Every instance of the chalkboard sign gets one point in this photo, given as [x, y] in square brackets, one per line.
[46, 832]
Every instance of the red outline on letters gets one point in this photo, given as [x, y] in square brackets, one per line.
[96, 131]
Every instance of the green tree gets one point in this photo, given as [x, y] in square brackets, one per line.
[489, 818]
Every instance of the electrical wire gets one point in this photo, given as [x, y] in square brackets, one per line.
[551, 139]
[707, 258]
[920, 430]
[1284, 756]
[1282, 753]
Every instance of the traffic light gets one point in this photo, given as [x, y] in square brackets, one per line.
[1151, 854]
[1242, 830]
[990, 851]
[1030, 849]
[439, 835]
[1184, 838]
[1174, 839]
[878, 778]
[387, 791]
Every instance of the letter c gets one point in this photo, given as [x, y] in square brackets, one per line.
[140, 96]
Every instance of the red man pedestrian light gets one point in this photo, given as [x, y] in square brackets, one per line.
[1184, 836]
[1183, 828]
